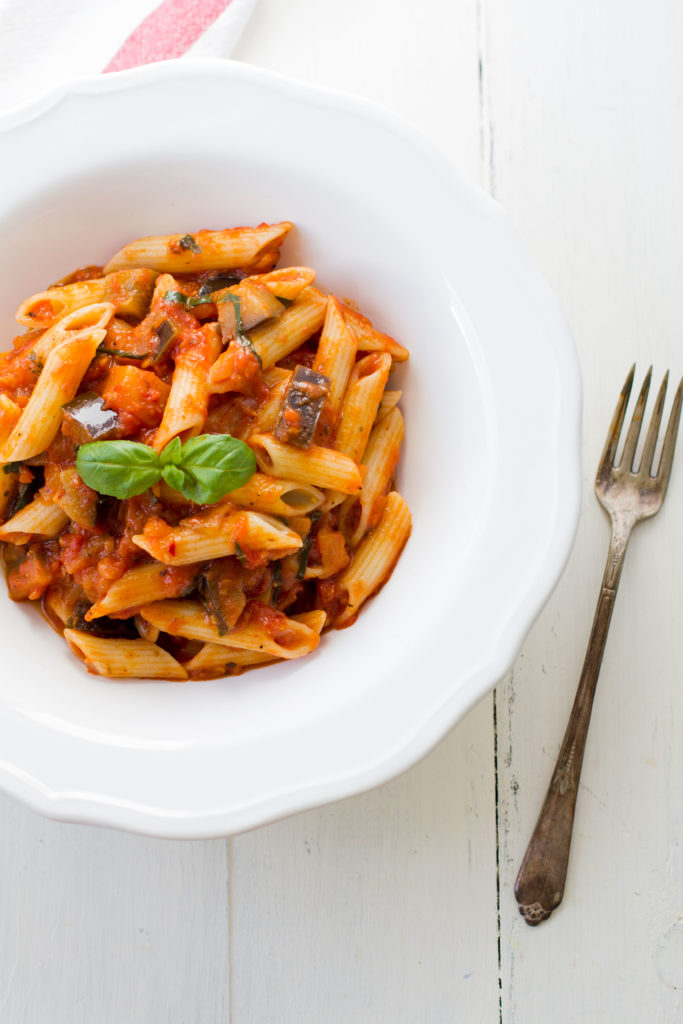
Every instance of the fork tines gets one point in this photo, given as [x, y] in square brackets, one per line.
[626, 463]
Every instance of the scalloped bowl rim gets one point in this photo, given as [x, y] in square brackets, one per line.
[186, 822]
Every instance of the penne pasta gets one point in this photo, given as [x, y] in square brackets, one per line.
[389, 400]
[186, 406]
[380, 458]
[216, 534]
[304, 317]
[88, 318]
[288, 282]
[198, 554]
[217, 659]
[40, 518]
[278, 636]
[129, 292]
[361, 403]
[124, 659]
[375, 557]
[273, 340]
[277, 381]
[371, 340]
[9, 414]
[276, 497]
[321, 467]
[336, 352]
[205, 250]
[57, 384]
[151, 581]
[43, 309]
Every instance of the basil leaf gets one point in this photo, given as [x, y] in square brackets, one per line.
[240, 555]
[121, 469]
[171, 454]
[213, 465]
[173, 476]
[187, 301]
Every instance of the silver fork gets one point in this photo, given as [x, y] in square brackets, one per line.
[628, 495]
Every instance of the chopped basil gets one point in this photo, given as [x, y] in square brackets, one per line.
[187, 301]
[241, 335]
[189, 242]
[190, 301]
[121, 354]
[239, 554]
[306, 548]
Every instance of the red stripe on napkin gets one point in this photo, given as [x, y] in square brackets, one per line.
[167, 32]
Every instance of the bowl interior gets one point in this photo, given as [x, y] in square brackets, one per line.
[362, 250]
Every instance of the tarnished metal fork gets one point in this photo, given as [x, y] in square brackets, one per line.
[628, 495]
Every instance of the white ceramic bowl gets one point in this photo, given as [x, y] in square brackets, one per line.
[490, 467]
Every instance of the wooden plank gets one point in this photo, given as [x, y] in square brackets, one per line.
[97, 925]
[380, 907]
[580, 100]
[417, 59]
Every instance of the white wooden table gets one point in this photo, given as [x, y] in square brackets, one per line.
[397, 906]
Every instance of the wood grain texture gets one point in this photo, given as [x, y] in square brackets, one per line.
[376, 908]
[384, 907]
[97, 925]
[420, 60]
[580, 99]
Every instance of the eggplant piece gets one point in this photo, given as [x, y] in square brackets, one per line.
[166, 334]
[114, 629]
[216, 284]
[220, 587]
[301, 407]
[130, 290]
[26, 493]
[13, 555]
[305, 551]
[240, 312]
[88, 420]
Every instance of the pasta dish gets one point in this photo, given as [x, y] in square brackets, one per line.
[197, 457]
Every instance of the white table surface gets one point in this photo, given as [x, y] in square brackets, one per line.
[397, 906]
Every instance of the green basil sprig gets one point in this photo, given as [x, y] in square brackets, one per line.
[204, 469]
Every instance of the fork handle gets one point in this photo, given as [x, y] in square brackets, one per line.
[540, 883]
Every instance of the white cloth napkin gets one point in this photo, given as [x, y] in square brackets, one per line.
[45, 42]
